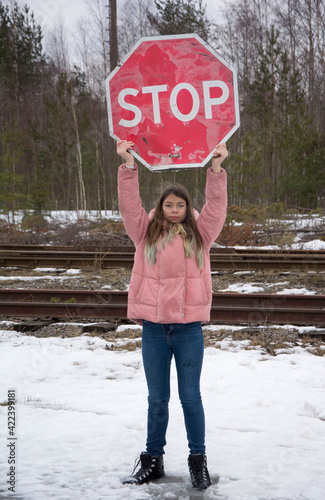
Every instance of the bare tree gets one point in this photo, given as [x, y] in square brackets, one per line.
[244, 32]
[302, 24]
[58, 46]
[133, 23]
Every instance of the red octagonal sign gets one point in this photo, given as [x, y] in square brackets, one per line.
[175, 98]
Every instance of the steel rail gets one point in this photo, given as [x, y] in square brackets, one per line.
[104, 248]
[243, 260]
[226, 307]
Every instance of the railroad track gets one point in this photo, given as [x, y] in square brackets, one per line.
[232, 308]
[115, 257]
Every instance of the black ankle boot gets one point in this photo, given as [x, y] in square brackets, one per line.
[199, 471]
[150, 468]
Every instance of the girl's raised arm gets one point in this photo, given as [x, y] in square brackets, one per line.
[134, 216]
[213, 213]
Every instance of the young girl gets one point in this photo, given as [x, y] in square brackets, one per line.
[170, 295]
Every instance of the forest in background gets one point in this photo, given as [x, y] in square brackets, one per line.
[55, 149]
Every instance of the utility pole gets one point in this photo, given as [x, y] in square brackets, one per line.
[113, 48]
[113, 60]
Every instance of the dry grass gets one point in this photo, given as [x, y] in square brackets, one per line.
[313, 345]
[128, 346]
[103, 232]
[271, 340]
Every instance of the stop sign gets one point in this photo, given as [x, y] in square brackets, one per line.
[175, 98]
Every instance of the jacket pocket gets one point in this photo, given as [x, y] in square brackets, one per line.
[197, 292]
[147, 292]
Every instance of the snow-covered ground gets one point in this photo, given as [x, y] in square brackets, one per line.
[81, 422]
[64, 217]
[81, 414]
[309, 245]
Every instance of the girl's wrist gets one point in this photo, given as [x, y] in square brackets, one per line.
[216, 168]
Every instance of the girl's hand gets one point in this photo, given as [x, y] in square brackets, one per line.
[220, 153]
[122, 150]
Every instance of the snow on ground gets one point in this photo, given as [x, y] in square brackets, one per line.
[309, 245]
[299, 222]
[303, 221]
[81, 414]
[68, 276]
[296, 291]
[72, 216]
[81, 422]
[254, 288]
[64, 217]
[65, 274]
[243, 288]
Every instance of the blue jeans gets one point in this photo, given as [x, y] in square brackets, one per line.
[159, 343]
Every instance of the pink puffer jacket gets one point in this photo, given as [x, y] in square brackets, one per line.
[173, 290]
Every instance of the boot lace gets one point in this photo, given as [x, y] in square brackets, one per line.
[199, 472]
[144, 470]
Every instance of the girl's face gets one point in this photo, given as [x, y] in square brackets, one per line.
[174, 208]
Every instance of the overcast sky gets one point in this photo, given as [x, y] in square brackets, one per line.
[47, 12]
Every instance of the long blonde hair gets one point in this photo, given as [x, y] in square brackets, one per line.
[160, 228]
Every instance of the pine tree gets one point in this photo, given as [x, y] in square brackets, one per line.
[21, 51]
[293, 156]
[180, 17]
[22, 66]
[11, 182]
